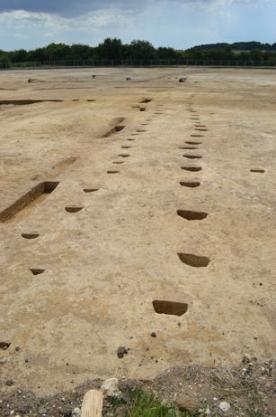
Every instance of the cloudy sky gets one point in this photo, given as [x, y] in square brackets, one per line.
[178, 23]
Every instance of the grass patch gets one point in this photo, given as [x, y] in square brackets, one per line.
[147, 405]
[254, 412]
[140, 403]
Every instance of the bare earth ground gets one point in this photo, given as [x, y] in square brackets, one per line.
[103, 266]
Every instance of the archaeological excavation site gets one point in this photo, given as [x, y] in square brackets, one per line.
[138, 220]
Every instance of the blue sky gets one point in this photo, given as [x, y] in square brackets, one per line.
[179, 23]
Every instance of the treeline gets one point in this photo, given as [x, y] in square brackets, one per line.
[113, 52]
[239, 46]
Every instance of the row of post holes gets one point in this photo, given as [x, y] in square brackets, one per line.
[173, 307]
[33, 195]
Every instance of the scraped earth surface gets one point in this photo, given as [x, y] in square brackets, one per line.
[94, 253]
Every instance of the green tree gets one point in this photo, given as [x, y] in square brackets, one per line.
[37, 55]
[256, 57]
[57, 52]
[111, 50]
[4, 62]
[80, 52]
[168, 55]
[142, 52]
[19, 56]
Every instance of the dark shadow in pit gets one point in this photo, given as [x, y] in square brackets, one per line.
[73, 209]
[117, 128]
[146, 100]
[194, 260]
[257, 170]
[192, 169]
[30, 236]
[190, 184]
[192, 156]
[37, 271]
[26, 102]
[90, 190]
[189, 142]
[192, 215]
[172, 308]
[30, 197]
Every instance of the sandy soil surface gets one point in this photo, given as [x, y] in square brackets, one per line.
[80, 268]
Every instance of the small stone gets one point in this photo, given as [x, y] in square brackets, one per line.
[3, 361]
[224, 406]
[76, 412]
[153, 334]
[10, 382]
[110, 387]
[121, 352]
[4, 345]
[246, 359]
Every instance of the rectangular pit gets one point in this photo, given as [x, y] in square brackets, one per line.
[46, 187]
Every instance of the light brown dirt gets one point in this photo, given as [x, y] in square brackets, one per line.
[105, 264]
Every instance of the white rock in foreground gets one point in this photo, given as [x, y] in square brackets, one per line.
[224, 406]
[76, 412]
[110, 387]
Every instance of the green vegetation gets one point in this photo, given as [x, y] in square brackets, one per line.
[146, 405]
[113, 52]
[4, 61]
[254, 414]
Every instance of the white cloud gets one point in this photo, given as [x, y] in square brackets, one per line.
[180, 23]
[53, 25]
